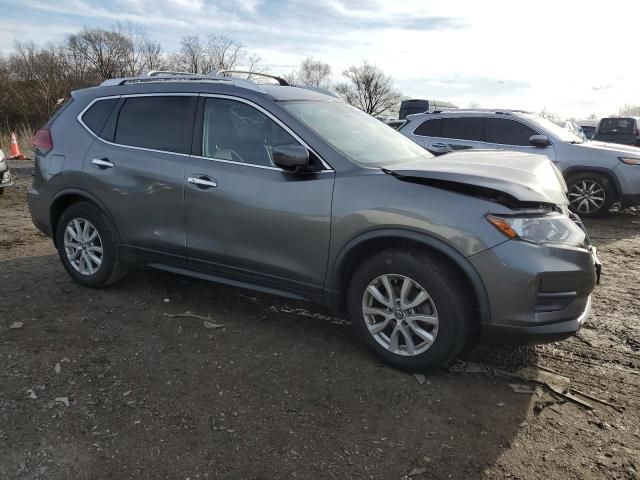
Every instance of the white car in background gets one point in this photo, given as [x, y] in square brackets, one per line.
[597, 174]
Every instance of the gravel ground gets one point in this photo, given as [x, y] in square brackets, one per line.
[103, 384]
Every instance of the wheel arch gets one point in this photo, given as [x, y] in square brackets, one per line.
[606, 172]
[358, 249]
[68, 197]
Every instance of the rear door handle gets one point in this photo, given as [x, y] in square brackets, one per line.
[202, 182]
[102, 163]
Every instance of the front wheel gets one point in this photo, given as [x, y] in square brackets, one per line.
[410, 309]
[590, 194]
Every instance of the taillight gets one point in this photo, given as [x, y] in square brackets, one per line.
[42, 140]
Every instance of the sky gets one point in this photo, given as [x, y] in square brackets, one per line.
[574, 58]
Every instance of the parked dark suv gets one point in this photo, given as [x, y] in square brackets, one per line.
[625, 130]
[293, 192]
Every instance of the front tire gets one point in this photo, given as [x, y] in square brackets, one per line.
[409, 308]
[87, 246]
[590, 194]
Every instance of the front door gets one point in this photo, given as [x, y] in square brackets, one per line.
[245, 217]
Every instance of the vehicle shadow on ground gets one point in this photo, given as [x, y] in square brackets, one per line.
[281, 390]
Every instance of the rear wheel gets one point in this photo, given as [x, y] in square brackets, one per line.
[590, 194]
[410, 309]
[87, 246]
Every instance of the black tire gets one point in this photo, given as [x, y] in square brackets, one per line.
[445, 287]
[111, 268]
[574, 184]
[1, 191]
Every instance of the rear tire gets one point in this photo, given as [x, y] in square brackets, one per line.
[444, 316]
[590, 194]
[88, 247]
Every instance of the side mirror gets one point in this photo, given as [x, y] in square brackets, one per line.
[290, 157]
[540, 141]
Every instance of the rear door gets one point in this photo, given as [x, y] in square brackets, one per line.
[246, 218]
[136, 169]
[459, 133]
[509, 134]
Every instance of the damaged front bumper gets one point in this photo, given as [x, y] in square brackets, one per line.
[537, 294]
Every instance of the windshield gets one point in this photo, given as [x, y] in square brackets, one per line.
[364, 139]
[556, 131]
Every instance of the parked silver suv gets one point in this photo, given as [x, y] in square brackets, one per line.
[293, 192]
[598, 174]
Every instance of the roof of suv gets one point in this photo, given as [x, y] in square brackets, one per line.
[467, 113]
[162, 82]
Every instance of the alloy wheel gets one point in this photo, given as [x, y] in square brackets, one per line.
[400, 314]
[586, 196]
[83, 246]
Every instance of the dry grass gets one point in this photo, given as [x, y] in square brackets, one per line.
[24, 135]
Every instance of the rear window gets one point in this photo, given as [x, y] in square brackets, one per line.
[617, 125]
[464, 128]
[157, 123]
[429, 128]
[96, 116]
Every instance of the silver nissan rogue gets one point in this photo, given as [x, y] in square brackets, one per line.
[291, 191]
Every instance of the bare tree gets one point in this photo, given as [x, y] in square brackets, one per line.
[369, 89]
[630, 109]
[473, 105]
[192, 56]
[551, 116]
[107, 51]
[314, 73]
[223, 53]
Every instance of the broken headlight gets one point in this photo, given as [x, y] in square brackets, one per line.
[550, 228]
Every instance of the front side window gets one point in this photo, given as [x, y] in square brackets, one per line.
[508, 132]
[464, 128]
[156, 122]
[238, 132]
[355, 134]
[429, 128]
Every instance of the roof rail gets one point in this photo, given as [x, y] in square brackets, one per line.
[155, 73]
[223, 73]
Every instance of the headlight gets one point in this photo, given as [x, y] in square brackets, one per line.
[630, 160]
[6, 177]
[551, 228]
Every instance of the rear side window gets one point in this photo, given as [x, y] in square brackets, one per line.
[508, 132]
[464, 128]
[429, 128]
[616, 125]
[98, 113]
[157, 123]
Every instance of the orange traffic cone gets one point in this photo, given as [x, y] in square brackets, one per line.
[15, 149]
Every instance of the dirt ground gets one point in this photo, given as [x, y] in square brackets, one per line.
[103, 384]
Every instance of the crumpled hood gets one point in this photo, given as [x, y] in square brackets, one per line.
[523, 176]
[612, 147]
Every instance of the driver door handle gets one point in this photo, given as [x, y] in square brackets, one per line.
[202, 182]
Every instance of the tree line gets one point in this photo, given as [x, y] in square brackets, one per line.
[34, 78]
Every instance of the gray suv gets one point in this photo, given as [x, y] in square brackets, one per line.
[293, 192]
[598, 174]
